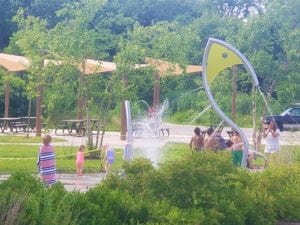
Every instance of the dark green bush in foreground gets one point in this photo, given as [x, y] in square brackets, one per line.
[197, 189]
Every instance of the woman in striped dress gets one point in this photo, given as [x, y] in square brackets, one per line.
[46, 161]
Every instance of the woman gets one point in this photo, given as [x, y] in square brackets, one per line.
[272, 134]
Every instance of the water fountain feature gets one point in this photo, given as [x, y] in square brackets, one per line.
[219, 55]
[147, 130]
[199, 114]
[265, 100]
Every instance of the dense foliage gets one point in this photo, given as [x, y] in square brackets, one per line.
[126, 32]
[197, 189]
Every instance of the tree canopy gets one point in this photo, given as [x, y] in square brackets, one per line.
[126, 32]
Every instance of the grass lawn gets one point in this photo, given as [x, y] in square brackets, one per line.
[23, 139]
[23, 158]
[18, 157]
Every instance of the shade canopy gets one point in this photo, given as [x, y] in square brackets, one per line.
[90, 66]
[165, 68]
[14, 63]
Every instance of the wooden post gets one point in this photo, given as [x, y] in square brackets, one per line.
[81, 101]
[156, 91]
[39, 102]
[234, 92]
[254, 136]
[123, 121]
[123, 124]
[7, 93]
[80, 107]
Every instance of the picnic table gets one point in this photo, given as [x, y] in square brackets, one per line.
[29, 120]
[12, 123]
[140, 129]
[75, 126]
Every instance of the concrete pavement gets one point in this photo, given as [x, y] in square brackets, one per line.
[178, 134]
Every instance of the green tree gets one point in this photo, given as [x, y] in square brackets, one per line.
[31, 40]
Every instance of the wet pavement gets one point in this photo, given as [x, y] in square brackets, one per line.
[72, 182]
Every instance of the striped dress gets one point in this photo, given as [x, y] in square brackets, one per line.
[46, 164]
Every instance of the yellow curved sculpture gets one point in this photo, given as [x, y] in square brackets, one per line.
[219, 55]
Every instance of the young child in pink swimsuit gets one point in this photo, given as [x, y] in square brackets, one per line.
[80, 160]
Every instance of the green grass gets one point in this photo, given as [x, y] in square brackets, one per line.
[23, 139]
[17, 157]
[173, 151]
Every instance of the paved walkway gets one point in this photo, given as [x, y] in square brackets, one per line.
[178, 134]
[72, 182]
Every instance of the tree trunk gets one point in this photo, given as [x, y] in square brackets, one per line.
[7, 93]
[234, 92]
[254, 137]
[81, 100]
[123, 113]
[156, 91]
[39, 102]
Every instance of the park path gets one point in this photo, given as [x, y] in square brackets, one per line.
[178, 134]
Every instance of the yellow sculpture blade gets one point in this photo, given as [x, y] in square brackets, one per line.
[220, 58]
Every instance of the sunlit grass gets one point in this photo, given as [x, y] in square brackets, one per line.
[15, 158]
[18, 157]
[7, 138]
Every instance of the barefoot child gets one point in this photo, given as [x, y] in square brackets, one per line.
[197, 140]
[237, 149]
[109, 158]
[46, 161]
[80, 160]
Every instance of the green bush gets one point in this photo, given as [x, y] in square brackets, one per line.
[198, 188]
[283, 184]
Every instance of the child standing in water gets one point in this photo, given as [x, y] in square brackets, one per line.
[80, 160]
[109, 158]
[46, 161]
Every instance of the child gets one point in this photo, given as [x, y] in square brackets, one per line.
[237, 149]
[46, 161]
[80, 160]
[109, 158]
[210, 140]
[128, 152]
[196, 142]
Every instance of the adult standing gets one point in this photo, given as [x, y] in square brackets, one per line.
[272, 134]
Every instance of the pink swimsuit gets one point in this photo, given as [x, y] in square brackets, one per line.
[80, 158]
